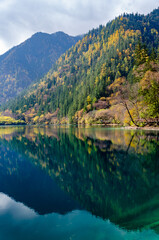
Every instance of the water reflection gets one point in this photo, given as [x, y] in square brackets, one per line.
[19, 222]
[111, 173]
[24, 181]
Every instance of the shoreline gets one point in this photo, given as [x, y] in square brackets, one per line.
[142, 128]
[152, 128]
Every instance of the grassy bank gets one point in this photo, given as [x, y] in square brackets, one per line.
[6, 120]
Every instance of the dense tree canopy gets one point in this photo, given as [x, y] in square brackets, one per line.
[82, 75]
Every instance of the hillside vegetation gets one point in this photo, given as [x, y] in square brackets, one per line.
[29, 61]
[101, 72]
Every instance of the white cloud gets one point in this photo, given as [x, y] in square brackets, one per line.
[20, 19]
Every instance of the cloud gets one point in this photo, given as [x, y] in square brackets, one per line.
[20, 19]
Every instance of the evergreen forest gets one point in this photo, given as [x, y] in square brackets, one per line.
[111, 75]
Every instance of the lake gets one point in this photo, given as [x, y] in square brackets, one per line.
[70, 183]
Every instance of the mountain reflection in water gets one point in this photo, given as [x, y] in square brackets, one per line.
[112, 174]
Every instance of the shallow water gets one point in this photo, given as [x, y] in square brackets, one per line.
[78, 183]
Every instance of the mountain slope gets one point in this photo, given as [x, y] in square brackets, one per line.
[29, 61]
[82, 75]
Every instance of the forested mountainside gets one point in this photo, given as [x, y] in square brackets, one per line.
[99, 72]
[29, 61]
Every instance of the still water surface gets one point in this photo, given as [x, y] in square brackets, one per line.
[78, 183]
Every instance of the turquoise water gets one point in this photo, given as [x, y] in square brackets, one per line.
[78, 183]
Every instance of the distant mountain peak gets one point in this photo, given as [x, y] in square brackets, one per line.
[26, 63]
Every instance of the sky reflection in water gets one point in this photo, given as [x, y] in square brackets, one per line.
[19, 222]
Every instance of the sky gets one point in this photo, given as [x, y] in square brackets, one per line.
[20, 19]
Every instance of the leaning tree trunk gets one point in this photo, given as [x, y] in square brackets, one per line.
[126, 106]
